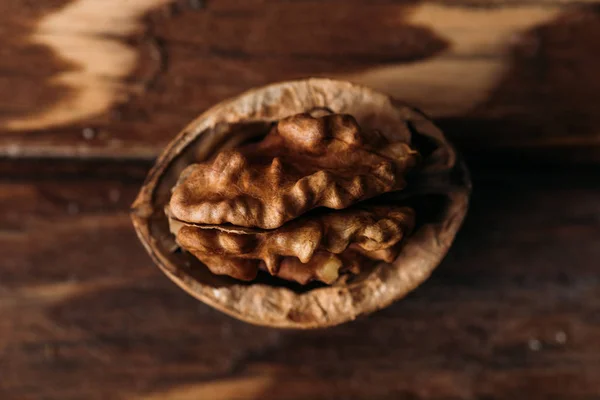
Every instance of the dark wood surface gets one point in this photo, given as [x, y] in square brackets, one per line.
[512, 313]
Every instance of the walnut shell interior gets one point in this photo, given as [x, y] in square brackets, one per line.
[265, 301]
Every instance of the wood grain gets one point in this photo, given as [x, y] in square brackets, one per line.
[513, 312]
[507, 79]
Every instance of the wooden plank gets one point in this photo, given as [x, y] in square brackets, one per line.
[119, 80]
[513, 312]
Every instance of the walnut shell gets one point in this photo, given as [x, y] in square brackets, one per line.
[439, 191]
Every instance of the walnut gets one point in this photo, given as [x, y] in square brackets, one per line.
[303, 163]
[299, 182]
[370, 230]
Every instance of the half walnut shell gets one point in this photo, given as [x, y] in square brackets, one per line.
[299, 183]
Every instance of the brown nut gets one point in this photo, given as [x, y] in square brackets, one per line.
[308, 160]
[368, 229]
[437, 189]
[302, 163]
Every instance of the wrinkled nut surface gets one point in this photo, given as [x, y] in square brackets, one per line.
[370, 230]
[303, 163]
[313, 180]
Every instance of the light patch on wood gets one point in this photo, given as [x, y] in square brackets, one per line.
[52, 293]
[88, 34]
[462, 76]
[243, 388]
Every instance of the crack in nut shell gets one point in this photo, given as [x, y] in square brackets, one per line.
[303, 163]
[370, 230]
[249, 116]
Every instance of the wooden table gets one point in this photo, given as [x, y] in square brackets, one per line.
[90, 91]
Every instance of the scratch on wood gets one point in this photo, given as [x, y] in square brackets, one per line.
[159, 54]
[59, 292]
[249, 387]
